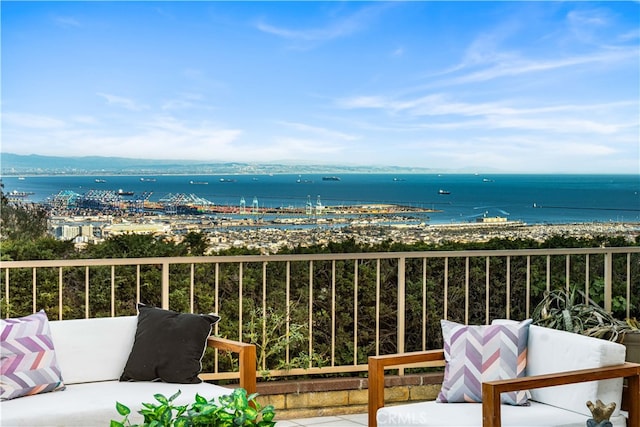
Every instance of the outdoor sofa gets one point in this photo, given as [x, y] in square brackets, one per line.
[92, 355]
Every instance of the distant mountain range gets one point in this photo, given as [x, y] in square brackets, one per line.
[16, 164]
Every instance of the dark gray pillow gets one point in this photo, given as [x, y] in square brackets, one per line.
[169, 346]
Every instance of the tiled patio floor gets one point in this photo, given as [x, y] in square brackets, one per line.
[356, 420]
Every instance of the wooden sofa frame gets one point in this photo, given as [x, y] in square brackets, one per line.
[491, 390]
[246, 357]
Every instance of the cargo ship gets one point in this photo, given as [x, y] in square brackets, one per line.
[331, 178]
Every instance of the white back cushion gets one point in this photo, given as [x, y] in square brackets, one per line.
[552, 351]
[93, 349]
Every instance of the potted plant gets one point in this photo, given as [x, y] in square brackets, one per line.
[233, 410]
[631, 339]
[560, 309]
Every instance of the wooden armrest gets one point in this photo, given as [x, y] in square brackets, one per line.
[377, 365]
[491, 390]
[247, 359]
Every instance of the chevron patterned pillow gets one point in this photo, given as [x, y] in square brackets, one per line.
[28, 360]
[475, 354]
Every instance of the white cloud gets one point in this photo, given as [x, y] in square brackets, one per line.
[320, 131]
[518, 67]
[33, 121]
[119, 101]
[66, 21]
[335, 27]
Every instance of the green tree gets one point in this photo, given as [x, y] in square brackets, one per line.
[21, 221]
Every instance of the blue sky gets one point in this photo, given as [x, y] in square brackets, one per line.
[509, 86]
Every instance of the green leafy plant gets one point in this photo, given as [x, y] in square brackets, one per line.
[232, 410]
[572, 311]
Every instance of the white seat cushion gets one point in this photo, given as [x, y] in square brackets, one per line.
[470, 415]
[94, 404]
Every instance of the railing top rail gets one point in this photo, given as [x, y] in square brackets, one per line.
[316, 257]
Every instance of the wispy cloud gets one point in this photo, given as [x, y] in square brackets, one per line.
[453, 113]
[320, 131]
[336, 27]
[183, 101]
[66, 22]
[119, 101]
[301, 148]
[32, 121]
[519, 67]
[156, 138]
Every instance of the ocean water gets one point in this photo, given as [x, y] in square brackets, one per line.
[528, 198]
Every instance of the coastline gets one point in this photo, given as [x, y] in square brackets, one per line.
[223, 234]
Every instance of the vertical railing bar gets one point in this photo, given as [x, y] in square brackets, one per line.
[34, 289]
[264, 311]
[401, 307]
[508, 302]
[567, 272]
[528, 288]
[587, 277]
[240, 301]
[113, 291]
[216, 353]
[310, 313]
[548, 273]
[424, 304]
[608, 279]
[487, 285]
[333, 312]
[86, 292]
[628, 315]
[192, 287]
[288, 308]
[165, 285]
[446, 288]
[6, 294]
[138, 281]
[466, 291]
[60, 293]
[378, 307]
[355, 312]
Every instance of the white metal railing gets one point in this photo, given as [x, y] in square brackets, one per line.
[382, 302]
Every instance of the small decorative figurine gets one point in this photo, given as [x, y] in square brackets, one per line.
[601, 414]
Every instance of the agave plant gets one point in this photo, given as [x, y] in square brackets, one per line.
[572, 311]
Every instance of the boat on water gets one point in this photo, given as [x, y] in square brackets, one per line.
[227, 180]
[147, 180]
[122, 192]
[100, 181]
[444, 192]
[331, 178]
[198, 182]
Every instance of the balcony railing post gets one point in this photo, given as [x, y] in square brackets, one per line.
[401, 303]
[608, 279]
[165, 286]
